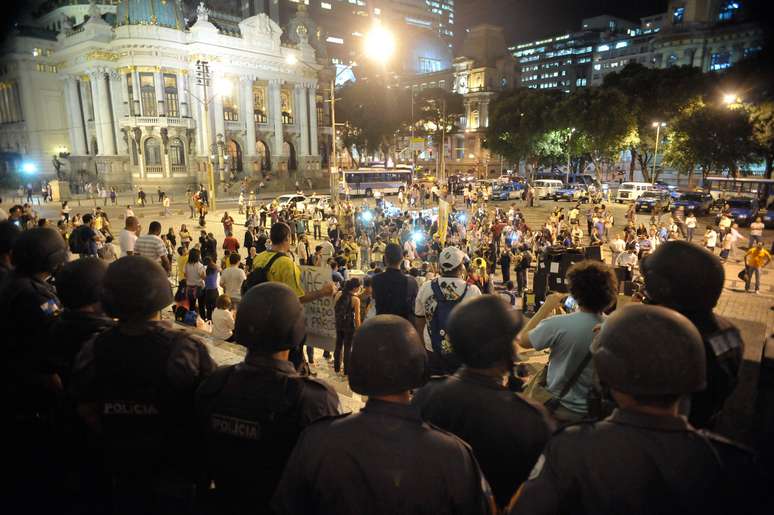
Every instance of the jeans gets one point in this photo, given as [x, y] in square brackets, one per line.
[690, 233]
[750, 272]
[317, 232]
[343, 346]
[210, 297]
[754, 238]
[365, 259]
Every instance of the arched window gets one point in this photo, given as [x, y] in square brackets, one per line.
[152, 151]
[176, 151]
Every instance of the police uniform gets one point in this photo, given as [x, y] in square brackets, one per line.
[382, 460]
[507, 433]
[252, 415]
[141, 383]
[27, 308]
[632, 463]
[67, 335]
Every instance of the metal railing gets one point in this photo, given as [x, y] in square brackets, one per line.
[157, 169]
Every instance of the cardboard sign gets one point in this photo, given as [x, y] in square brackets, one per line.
[320, 319]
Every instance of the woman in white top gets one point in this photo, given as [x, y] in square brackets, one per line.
[195, 273]
[223, 319]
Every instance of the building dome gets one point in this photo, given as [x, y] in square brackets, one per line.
[164, 13]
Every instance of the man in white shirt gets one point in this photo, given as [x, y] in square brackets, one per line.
[231, 279]
[628, 259]
[152, 246]
[327, 249]
[690, 225]
[303, 250]
[455, 289]
[128, 236]
[411, 248]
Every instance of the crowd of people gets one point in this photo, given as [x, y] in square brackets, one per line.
[117, 406]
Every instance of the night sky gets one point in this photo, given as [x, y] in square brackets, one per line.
[525, 20]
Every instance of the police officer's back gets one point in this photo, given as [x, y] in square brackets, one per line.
[644, 458]
[689, 279]
[253, 413]
[507, 432]
[135, 386]
[9, 232]
[384, 459]
[78, 285]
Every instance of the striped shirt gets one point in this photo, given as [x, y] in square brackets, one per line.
[151, 246]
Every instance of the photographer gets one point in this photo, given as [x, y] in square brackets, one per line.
[594, 287]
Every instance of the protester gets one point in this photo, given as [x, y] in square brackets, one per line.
[756, 258]
[151, 246]
[232, 278]
[223, 318]
[394, 292]
[346, 308]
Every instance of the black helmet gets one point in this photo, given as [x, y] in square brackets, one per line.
[9, 232]
[482, 331]
[650, 350]
[37, 250]
[135, 287]
[683, 276]
[270, 319]
[387, 357]
[79, 282]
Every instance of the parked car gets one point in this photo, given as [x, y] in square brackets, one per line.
[284, 201]
[507, 191]
[546, 188]
[649, 200]
[572, 193]
[631, 191]
[768, 216]
[697, 201]
[743, 209]
[315, 202]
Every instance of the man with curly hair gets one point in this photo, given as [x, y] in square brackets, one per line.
[594, 287]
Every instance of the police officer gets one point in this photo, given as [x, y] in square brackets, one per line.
[135, 387]
[507, 432]
[645, 458]
[9, 231]
[253, 413]
[30, 386]
[384, 459]
[689, 279]
[78, 285]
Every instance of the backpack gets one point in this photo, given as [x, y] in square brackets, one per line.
[260, 274]
[437, 326]
[344, 314]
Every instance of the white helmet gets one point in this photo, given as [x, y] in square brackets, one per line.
[451, 258]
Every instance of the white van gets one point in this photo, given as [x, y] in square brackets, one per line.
[631, 191]
[546, 188]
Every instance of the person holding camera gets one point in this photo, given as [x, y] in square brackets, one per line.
[593, 285]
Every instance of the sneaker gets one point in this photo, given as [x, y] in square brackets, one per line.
[756, 292]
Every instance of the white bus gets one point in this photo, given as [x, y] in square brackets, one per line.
[367, 181]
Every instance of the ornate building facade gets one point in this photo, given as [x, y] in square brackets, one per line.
[136, 94]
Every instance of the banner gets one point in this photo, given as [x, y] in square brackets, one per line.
[320, 319]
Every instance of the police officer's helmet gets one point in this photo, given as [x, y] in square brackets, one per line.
[387, 357]
[9, 233]
[79, 282]
[650, 350]
[482, 331]
[135, 287]
[683, 276]
[38, 250]
[270, 319]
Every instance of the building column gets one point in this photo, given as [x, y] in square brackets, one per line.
[136, 93]
[483, 114]
[119, 105]
[247, 114]
[158, 83]
[275, 113]
[77, 136]
[219, 123]
[301, 117]
[94, 78]
[314, 148]
[105, 127]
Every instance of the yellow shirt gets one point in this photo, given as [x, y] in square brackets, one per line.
[757, 257]
[284, 270]
[181, 262]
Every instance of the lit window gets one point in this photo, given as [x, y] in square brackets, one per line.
[622, 44]
[333, 39]
[727, 10]
[677, 15]
[325, 5]
[720, 60]
[603, 48]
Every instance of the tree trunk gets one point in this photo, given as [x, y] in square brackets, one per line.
[632, 163]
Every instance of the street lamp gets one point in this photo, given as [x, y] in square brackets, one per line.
[569, 138]
[658, 126]
[731, 98]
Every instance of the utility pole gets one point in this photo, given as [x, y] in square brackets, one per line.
[334, 162]
[203, 79]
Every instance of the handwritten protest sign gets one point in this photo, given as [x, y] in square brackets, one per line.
[320, 319]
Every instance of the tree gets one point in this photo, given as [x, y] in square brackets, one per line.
[520, 123]
[436, 113]
[653, 95]
[711, 137]
[762, 120]
[603, 122]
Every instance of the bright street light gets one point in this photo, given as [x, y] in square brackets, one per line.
[731, 98]
[379, 44]
[223, 87]
[29, 167]
[291, 60]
